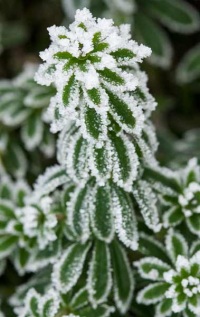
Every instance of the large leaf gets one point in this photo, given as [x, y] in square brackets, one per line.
[179, 15]
[146, 30]
[123, 278]
[69, 268]
[189, 68]
[125, 219]
[99, 281]
[101, 213]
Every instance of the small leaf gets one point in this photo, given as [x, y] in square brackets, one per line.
[63, 55]
[176, 245]
[123, 278]
[93, 122]
[151, 268]
[111, 77]
[80, 299]
[69, 268]
[95, 96]
[121, 111]
[99, 281]
[173, 217]
[123, 54]
[164, 308]
[189, 68]
[69, 90]
[153, 293]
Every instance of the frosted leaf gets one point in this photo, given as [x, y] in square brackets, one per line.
[68, 269]
[52, 178]
[148, 203]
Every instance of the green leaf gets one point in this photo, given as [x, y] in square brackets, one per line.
[63, 55]
[193, 223]
[6, 210]
[95, 96]
[79, 151]
[78, 216]
[123, 278]
[146, 30]
[176, 245]
[21, 259]
[111, 77]
[80, 299]
[93, 122]
[99, 280]
[101, 214]
[164, 308]
[151, 247]
[34, 305]
[173, 217]
[121, 154]
[152, 268]
[101, 311]
[69, 268]
[125, 219]
[7, 245]
[52, 178]
[101, 162]
[179, 15]
[189, 68]
[123, 54]
[69, 90]
[121, 111]
[152, 293]
[32, 131]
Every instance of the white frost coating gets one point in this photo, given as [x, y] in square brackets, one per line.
[86, 57]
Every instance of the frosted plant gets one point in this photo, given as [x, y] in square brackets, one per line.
[89, 65]
[22, 104]
[174, 285]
